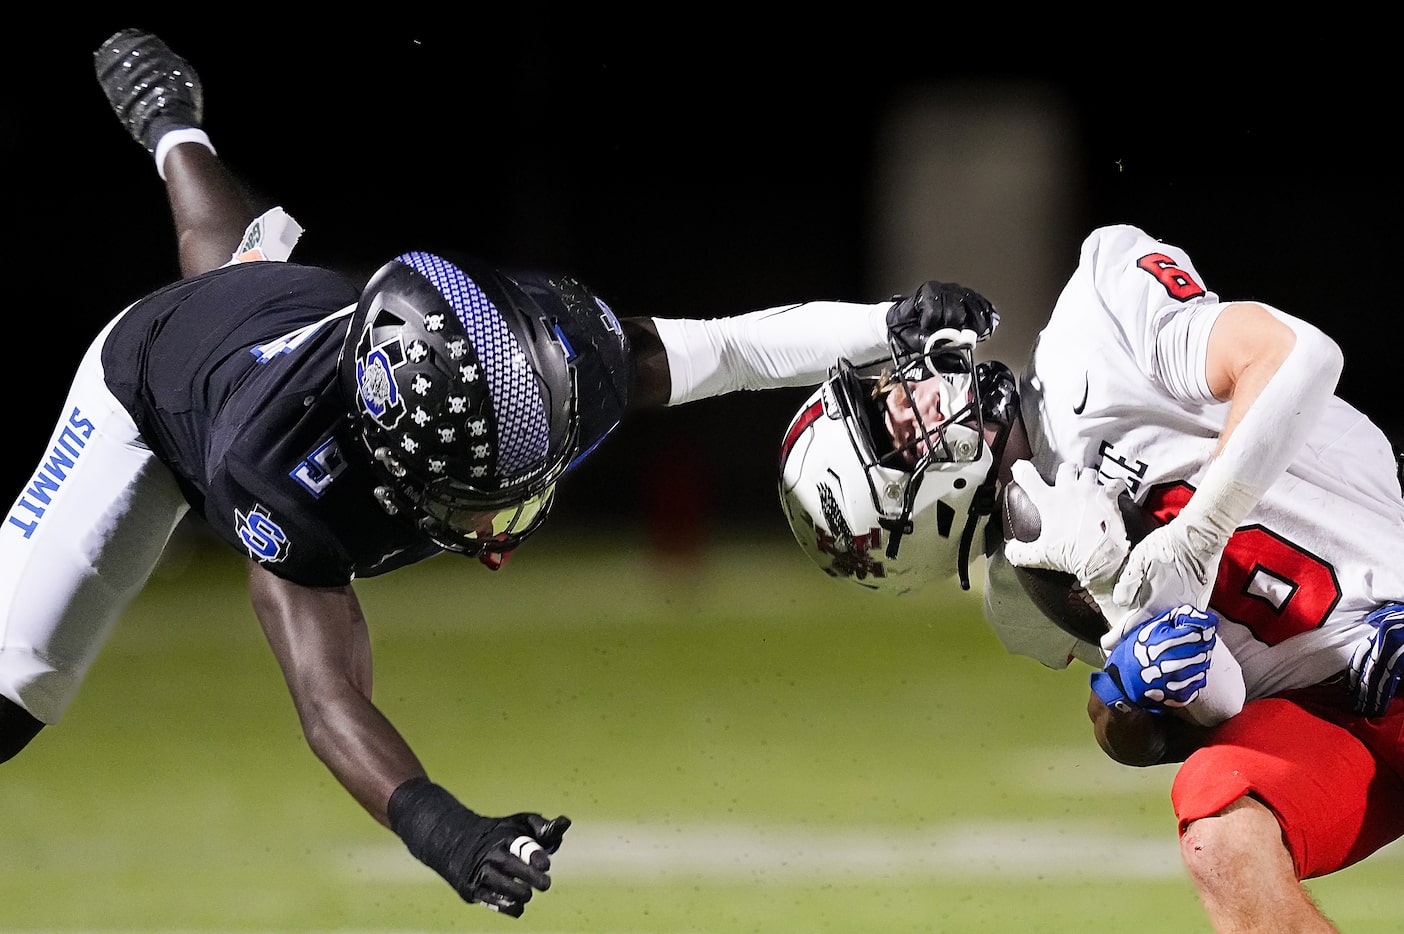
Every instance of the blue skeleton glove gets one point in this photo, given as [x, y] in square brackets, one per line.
[1378, 661]
[1163, 664]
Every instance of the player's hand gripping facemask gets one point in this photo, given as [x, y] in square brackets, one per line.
[939, 306]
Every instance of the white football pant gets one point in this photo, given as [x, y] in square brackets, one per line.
[80, 541]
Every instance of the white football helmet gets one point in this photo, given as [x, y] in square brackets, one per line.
[892, 519]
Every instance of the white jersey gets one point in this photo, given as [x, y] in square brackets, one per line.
[1117, 382]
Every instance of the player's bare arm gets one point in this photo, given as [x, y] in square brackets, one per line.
[322, 644]
[1246, 347]
[1277, 373]
[652, 381]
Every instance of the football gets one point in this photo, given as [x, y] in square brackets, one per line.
[1061, 598]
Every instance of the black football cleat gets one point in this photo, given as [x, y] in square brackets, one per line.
[151, 89]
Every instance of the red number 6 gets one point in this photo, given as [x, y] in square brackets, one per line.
[1176, 281]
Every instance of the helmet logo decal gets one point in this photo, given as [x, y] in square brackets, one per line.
[264, 538]
[375, 380]
[852, 554]
[522, 420]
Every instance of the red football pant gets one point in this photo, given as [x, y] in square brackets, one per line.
[1331, 777]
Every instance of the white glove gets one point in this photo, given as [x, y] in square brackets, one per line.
[1081, 529]
[1174, 565]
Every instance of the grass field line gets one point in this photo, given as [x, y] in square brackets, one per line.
[639, 852]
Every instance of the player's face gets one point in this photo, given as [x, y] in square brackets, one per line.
[929, 403]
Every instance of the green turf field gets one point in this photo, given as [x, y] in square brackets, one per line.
[743, 747]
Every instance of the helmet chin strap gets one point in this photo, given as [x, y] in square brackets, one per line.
[983, 503]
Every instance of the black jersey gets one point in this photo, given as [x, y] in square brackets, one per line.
[231, 378]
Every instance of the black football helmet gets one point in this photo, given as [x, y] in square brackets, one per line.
[473, 391]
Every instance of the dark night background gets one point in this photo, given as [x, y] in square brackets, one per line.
[686, 166]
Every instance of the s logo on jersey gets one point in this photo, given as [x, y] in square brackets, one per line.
[263, 537]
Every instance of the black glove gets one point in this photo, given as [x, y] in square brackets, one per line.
[936, 305]
[151, 89]
[494, 860]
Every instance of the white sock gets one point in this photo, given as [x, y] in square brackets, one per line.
[173, 139]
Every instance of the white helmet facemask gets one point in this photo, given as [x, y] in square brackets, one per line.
[891, 518]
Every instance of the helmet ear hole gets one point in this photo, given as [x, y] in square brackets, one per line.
[945, 518]
[384, 318]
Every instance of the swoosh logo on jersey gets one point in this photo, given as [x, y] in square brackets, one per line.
[1077, 409]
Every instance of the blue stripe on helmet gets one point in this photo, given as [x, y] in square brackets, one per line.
[523, 431]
